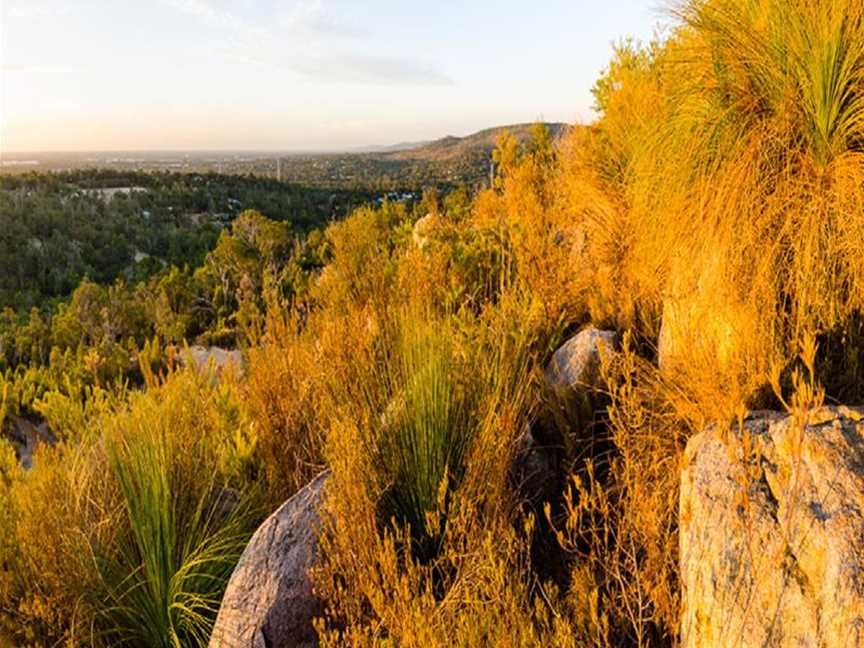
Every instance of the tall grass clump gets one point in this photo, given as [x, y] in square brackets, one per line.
[721, 187]
[166, 576]
[184, 525]
[422, 542]
[427, 425]
[128, 535]
[721, 195]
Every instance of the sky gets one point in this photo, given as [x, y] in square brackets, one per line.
[295, 75]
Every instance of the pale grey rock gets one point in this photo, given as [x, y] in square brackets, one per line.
[217, 358]
[576, 364]
[269, 601]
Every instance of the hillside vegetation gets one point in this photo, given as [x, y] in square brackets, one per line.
[711, 216]
[481, 143]
[445, 164]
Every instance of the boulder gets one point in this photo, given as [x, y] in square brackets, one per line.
[423, 228]
[203, 358]
[269, 601]
[535, 469]
[576, 364]
[772, 532]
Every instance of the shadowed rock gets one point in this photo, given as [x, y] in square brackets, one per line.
[269, 602]
[26, 436]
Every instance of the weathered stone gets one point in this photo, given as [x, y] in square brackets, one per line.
[423, 228]
[535, 469]
[576, 364]
[269, 601]
[217, 358]
[772, 533]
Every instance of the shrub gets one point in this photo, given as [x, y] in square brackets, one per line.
[165, 575]
[284, 390]
[139, 547]
[422, 541]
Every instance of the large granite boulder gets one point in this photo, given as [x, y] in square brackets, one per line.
[269, 601]
[772, 533]
[576, 364]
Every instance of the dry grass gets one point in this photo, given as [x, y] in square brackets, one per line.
[712, 215]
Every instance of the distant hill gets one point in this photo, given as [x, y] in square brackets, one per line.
[389, 148]
[451, 148]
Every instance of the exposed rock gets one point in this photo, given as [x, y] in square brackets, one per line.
[26, 436]
[576, 364]
[269, 602]
[772, 533]
[423, 228]
[202, 357]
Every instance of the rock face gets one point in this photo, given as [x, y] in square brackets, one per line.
[535, 469]
[202, 357]
[423, 228]
[269, 602]
[772, 533]
[576, 364]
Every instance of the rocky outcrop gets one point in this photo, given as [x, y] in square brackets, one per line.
[423, 229]
[576, 364]
[772, 533]
[203, 358]
[535, 469]
[269, 601]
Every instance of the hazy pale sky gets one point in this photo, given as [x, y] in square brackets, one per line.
[296, 74]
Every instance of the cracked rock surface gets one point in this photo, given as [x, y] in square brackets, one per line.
[576, 364]
[772, 532]
[269, 601]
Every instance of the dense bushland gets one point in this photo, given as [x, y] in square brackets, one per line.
[710, 216]
[106, 225]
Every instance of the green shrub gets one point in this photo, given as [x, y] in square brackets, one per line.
[165, 576]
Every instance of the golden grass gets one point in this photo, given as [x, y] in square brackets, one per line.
[712, 215]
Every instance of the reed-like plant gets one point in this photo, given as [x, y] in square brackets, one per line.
[429, 423]
[166, 577]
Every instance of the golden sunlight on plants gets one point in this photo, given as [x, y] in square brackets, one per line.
[605, 397]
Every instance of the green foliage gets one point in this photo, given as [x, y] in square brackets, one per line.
[165, 579]
[117, 524]
[427, 426]
[104, 225]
